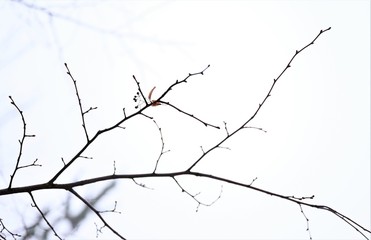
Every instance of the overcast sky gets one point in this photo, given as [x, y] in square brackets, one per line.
[317, 119]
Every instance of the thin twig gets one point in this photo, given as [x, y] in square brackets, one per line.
[194, 196]
[21, 142]
[225, 127]
[307, 220]
[44, 217]
[256, 178]
[34, 164]
[162, 146]
[96, 212]
[114, 167]
[79, 100]
[190, 115]
[301, 198]
[244, 125]
[177, 82]
[146, 116]
[2, 228]
[257, 128]
[141, 184]
[90, 109]
[140, 90]
[113, 210]
[124, 112]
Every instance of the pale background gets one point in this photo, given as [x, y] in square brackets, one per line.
[317, 120]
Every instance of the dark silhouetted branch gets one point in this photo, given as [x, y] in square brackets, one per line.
[140, 90]
[34, 164]
[141, 99]
[244, 125]
[117, 125]
[43, 216]
[3, 228]
[190, 115]
[21, 142]
[90, 206]
[79, 100]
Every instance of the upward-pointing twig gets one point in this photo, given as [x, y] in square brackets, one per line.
[140, 90]
[244, 125]
[79, 100]
[21, 142]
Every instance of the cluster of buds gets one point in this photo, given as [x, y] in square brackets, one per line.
[137, 98]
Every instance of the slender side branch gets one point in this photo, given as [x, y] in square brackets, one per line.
[244, 125]
[117, 125]
[21, 142]
[140, 90]
[96, 212]
[34, 164]
[162, 146]
[225, 127]
[2, 228]
[79, 100]
[43, 216]
[194, 196]
[141, 184]
[113, 210]
[190, 115]
[307, 220]
[257, 128]
[177, 82]
[90, 109]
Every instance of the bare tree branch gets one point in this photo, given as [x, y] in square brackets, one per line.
[21, 142]
[3, 228]
[260, 104]
[140, 90]
[34, 164]
[141, 184]
[162, 146]
[96, 212]
[113, 210]
[177, 82]
[359, 228]
[51, 184]
[43, 216]
[307, 220]
[194, 196]
[79, 100]
[117, 125]
[188, 114]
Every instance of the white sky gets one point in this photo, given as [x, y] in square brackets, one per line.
[317, 120]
